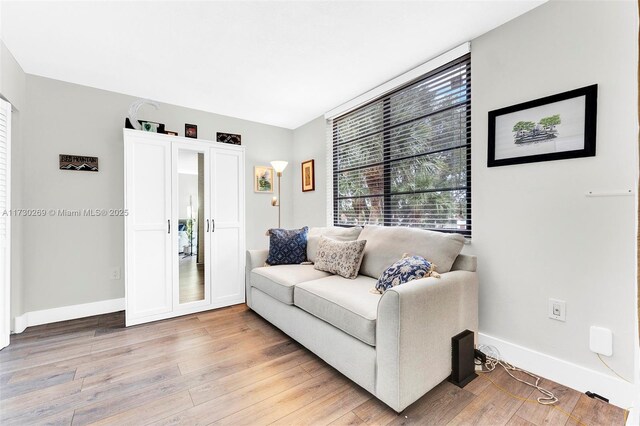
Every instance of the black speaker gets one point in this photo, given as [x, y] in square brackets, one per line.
[463, 369]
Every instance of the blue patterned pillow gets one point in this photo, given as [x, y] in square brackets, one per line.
[405, 270]
[287, 246]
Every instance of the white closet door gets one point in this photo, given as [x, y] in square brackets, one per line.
[227, 215]
[148, 229]
[5, 221]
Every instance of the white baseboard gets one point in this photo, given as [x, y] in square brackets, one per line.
[64, 313]
[619, 392]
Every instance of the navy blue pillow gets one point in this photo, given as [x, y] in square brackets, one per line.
[287, 246]
[404, 270]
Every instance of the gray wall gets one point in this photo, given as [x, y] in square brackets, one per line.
[309, 144]
[535, 233]
[68, 259]
[13, 89]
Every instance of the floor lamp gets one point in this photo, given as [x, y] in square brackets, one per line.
[279, 167]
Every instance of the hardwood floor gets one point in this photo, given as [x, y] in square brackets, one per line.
[229, 366]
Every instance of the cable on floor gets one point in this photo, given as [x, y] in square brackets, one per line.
[494, 359]
[533, 401]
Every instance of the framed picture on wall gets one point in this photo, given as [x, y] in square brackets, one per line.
[308, 176]
[229, 138]
[191, 131]
[555, 127]
[263, 179]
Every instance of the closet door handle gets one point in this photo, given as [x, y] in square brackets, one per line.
[207, 225]
[168, 226]
[213, 225]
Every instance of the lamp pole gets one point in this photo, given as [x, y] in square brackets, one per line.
[279, 167]
[279, 199]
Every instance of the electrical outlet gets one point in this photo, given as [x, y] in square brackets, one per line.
[115, 273]
[557, 309]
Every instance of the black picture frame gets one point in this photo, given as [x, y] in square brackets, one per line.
[191, 131]
[229, 138]
[531, 136]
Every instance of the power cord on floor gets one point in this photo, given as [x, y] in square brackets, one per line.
[494, 359]
[533, 401]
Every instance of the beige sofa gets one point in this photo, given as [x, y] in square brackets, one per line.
[396, 345]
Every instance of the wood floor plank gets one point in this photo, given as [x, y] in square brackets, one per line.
[375, 412]
[95, 375]
[235, 401]
[593, 412]
[558, 413]
[316, 366]
[284, 403]
[143, 351]
[33, 401]
[12, 389]
[228, 347]
[83, 398]
[327, 409]
[246, 377]
[125, 400]
[151, 411]
[519, 421]
[349, 419]
[438, 407]
[494, 407]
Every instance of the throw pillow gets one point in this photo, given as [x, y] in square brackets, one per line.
[287, 246]
[337, 233]
[404, 270]
[340, 257]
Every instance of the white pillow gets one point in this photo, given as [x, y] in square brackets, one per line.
[332, 232]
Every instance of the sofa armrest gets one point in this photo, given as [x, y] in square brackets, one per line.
[255, 259]
[415, 324]
[465, 262]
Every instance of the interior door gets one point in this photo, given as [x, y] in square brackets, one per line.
[5, 222]
[148, 228]
[227, 226]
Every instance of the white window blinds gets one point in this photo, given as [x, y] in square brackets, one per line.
[404, 159]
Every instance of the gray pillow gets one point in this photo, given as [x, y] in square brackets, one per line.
[340, 257]
[337, 233]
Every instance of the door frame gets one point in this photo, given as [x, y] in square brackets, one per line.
[5, 279]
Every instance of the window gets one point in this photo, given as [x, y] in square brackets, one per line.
[404, 159]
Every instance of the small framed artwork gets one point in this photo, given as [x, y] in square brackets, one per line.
[263, 179]
[151, 126]
[82, 163]
[191, 131]
[556, 127]
[228, 138]
[308, 176]
[171, 133]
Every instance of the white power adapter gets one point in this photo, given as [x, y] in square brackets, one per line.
[601, 340]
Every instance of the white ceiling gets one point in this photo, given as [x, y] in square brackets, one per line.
[281, 63]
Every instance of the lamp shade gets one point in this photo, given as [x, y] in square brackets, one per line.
[279, 166]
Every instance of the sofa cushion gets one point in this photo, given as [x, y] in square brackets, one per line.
[278, 281]
[340, 257]
[287, 246]
[385, 245]
[346, 304]
[337, 233]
